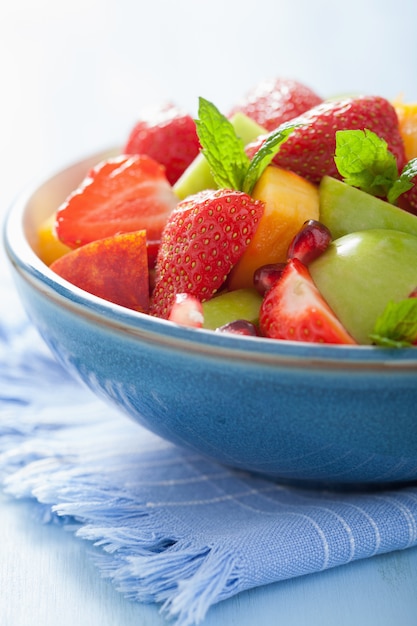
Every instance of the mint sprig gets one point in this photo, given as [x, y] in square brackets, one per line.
[396, 327]
[364, 160]
[223, 149]
[263, 157]
[225, 152]
[403, 182]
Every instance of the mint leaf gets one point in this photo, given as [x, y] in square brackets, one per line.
[223, 149]
[263, 157]
[225, 153]
[364, 161]
[397, 326]
[404, 182]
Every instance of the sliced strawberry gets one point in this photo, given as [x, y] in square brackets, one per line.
[309, 150]
[205, 236]
[293, 309]
[408, 200]
[119, 195]
[275, 101]
[187, 311]
[169, 136]
[114, 268]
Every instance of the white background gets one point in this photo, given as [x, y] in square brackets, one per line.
[74, 76]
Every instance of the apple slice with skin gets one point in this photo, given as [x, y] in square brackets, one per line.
[290, 200]
[345, 209]
[359, 273]
[231, 306]
[114, 268]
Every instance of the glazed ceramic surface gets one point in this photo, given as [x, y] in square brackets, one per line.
[295, 411]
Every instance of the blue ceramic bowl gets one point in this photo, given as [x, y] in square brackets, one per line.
[296, 411]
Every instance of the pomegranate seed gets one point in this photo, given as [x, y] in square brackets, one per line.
[239, 327]
[266, 276]
[309, 242]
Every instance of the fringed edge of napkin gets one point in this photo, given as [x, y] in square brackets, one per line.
[141, 560]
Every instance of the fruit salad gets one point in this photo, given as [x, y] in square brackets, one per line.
[289, 217]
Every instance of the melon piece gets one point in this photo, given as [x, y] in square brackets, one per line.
[290, 200]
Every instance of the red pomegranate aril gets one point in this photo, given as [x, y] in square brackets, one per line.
[239, 327]
[310, 242]
[266, 276]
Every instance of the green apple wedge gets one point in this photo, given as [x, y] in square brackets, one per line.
[345, 209]
[230, 306]
[198, 175]
[361, 272]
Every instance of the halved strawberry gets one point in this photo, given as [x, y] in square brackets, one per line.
[310, 149]
[275, 101]
[205, 236]
[293, 309]
[169, 136]
[119, 195]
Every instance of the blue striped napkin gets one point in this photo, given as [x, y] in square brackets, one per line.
[169, 526]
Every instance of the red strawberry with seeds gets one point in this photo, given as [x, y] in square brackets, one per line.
[205, 236]
[169, 136]
[293, 309]
[275, 101]
[408, 201]
[309, 150]
[119, 195]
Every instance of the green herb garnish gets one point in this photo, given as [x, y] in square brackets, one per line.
[396, 327]
[225, 153]
[403, 182]
[364, 161]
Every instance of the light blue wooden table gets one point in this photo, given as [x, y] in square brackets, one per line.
[48, 579]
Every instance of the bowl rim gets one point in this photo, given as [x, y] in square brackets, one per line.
[259, 350]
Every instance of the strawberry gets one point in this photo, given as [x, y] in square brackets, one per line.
[275, 101]
[169, 136]
[205, 236]
[119, 195]
[309, 150]
[294, 309]
[187, 311]
[408, 200]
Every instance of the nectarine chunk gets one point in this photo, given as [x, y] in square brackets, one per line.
[407, 119]
[114, 268]
[290, 200]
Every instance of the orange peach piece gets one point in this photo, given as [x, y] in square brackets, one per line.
[290, 200]
[49, 247]
[407, 119]
[114, 268]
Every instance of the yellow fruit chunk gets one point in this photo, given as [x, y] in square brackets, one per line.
[49, 248]
[407, 118]
[289, 200]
